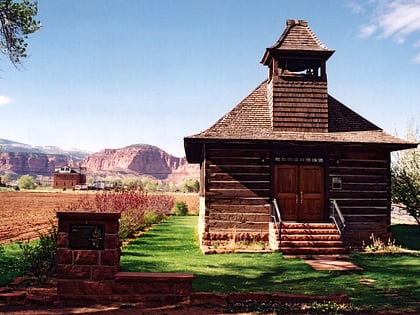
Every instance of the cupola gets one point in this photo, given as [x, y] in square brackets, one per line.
[297, 80]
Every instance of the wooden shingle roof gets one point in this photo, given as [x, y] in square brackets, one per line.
[297, 37]
[250, 120]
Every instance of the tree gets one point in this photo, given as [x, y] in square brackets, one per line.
[5, 179]
[17, 22]
[405, 177]
[27, 182]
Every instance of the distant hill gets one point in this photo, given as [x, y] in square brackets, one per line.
[136, 159]
[18, 147]
[139, 159]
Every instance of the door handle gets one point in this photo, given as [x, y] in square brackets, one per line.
[301, 197]
[297, 199]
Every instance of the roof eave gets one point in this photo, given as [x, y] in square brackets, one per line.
[271, 53]
[194, 145]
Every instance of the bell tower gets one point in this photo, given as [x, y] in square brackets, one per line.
[297, 80]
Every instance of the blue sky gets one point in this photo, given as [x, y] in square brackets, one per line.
[107, 74]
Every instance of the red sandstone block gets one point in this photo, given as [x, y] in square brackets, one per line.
[111, 241]
[112, 227]
[73, 272]
[103, 272]
[80, 287]
[62, 240]
[110, 257]
[86, 257]
[201, 298]
[62, 227]
[150, 287]
[64, 256]
[83, 216]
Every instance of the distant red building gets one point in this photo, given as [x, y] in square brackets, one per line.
[69, 177]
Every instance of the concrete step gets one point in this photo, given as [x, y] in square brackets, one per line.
[310, 237]
[310, 231]
[307, 225]
[313, 250]
[301, 238]
[317, 244]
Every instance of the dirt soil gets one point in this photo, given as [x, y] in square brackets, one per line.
[23, 215]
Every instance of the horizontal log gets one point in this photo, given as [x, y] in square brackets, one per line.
[374, 202]
[238, 168]
[238, 185]
[337, 194]
[365, 219]
[363, 155]
[247, 208]
[240, 201]
[383, 178]
[341, 171]
[361, 210]
[237, 153]
[234, 193]
[238, 177]
[236, 225]
[359, 163]
[255, 161]
[240, 217]
[370, 227]
[365, 186]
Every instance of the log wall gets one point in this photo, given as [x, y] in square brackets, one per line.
[365, 195]
[237, 196]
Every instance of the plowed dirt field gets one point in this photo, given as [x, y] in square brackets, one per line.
[23, 215]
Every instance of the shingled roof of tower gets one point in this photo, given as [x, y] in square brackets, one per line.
[297, 37]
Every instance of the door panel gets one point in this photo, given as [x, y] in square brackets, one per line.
[311, 185]
[286, 186]
[299, 190]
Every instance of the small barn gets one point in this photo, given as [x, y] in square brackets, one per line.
[290, 166]
[69, 177]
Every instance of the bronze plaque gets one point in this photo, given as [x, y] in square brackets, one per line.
[87, 236]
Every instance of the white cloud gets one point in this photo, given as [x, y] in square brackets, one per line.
[395, 19]
[4, 100]
[416, 58]
[355, 7]
[367, 30]
[399, 19]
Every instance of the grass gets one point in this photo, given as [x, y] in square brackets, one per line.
[387, 282]
[10, 263]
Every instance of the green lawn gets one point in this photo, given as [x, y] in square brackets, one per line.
[9, 263]
[387, 281]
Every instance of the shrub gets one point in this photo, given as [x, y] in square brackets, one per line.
[40, 259]
[151, 218]
[137, 209]
[180, 208]
[27, 182]
[378, 246]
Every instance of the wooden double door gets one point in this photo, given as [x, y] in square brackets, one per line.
[299, 190]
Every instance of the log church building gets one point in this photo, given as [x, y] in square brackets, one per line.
[290, 166]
